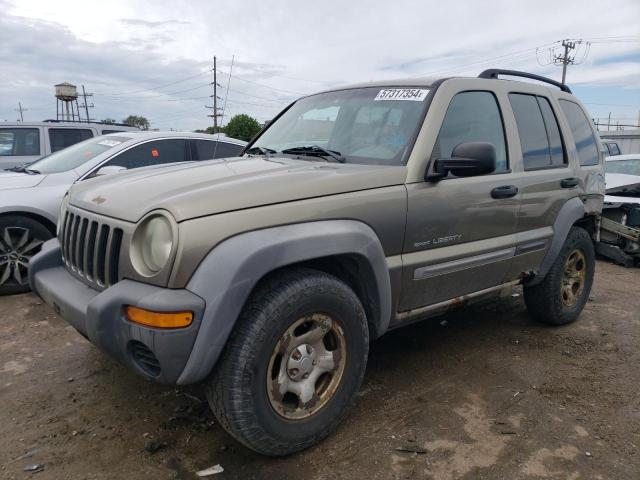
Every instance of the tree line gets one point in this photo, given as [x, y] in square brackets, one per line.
[243, 126]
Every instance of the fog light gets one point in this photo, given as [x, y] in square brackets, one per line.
[158, 319]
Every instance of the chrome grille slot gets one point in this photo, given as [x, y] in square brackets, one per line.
[91, 249]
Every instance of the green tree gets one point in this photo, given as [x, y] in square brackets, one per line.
[137, 121]
[242, 127]
[108, 121]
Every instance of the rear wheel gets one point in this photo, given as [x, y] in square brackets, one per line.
[20, 239]
[561, 296]
[292, 366]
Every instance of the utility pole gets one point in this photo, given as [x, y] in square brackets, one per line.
[86, 105]
[215, 108]
[564, 58]
[20, 109]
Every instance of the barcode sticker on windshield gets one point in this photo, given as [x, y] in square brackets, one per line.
[109, 143]
[406, 94]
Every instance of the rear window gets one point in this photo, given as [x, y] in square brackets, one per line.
[65, 137]
[75, 155]
[586, 143]
[19, 142]
[630, 167]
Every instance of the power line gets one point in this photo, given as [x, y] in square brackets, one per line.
[157, 86]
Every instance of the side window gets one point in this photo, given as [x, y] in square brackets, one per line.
[613, 149]
[586, 143]
[65, 137]
[19, 142]
[556, 146]
[226, 150]
[207, 149]
[538, 131]
[472, 117]
[151, 153]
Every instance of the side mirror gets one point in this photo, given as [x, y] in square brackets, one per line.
[467, 160]
[109, 170]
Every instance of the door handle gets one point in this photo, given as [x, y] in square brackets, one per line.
[569, 182]
[505, 191]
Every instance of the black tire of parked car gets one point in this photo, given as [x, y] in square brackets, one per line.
[545, 300]
[16, 250]
[238, 388]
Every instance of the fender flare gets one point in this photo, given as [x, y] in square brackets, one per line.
[572, 211]
[227, 276]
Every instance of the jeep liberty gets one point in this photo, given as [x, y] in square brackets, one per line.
[355, 211]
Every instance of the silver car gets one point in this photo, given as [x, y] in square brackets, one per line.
[30, 196]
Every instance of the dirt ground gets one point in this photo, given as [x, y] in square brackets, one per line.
[481, 393]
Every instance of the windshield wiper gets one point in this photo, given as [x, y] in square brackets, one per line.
[261, 151]
[22, 169]
[315, 151]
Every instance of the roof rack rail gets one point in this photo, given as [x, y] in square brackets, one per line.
[494, 72]
[52, 120]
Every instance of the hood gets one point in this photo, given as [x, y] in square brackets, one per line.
[10, 180]
[622, 188]
[206, 188]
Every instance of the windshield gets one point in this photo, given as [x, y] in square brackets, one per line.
[630, 167]
[365, 125]
[75, 155]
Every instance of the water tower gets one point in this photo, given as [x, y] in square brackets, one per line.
[66, 97]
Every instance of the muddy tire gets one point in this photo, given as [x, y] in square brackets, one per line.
[293, 363]
[561, 296]
[20, 239]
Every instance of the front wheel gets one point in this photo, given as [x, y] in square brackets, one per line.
[561, 296]
[20, 239]
[293, 363]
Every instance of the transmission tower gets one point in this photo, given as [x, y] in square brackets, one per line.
[215, 109]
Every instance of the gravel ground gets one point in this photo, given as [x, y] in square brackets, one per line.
[482, 393]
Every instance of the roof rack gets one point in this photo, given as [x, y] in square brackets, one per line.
[494, 72]
[51, 120]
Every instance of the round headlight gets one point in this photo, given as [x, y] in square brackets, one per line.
[153, 242]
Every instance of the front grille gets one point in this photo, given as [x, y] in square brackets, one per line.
[91, 249]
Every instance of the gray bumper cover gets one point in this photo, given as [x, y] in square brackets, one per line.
[99, 315]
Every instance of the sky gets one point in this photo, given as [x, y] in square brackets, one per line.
[155, 58]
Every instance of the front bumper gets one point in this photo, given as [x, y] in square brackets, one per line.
[99, 316]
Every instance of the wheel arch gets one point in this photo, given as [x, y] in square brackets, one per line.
[572, 213]
[344, 248]
[40, 217]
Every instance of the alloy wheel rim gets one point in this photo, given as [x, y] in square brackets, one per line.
[17, 247]
[573, 280]
[306, 366]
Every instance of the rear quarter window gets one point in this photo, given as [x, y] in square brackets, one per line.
[586, 143]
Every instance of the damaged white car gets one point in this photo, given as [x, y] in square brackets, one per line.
[619, 237]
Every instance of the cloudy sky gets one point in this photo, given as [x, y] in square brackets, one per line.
[155, 58]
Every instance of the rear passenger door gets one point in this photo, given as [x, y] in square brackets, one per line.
[547, 180]
[155, 152]
[459, 229]
[210, 149]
